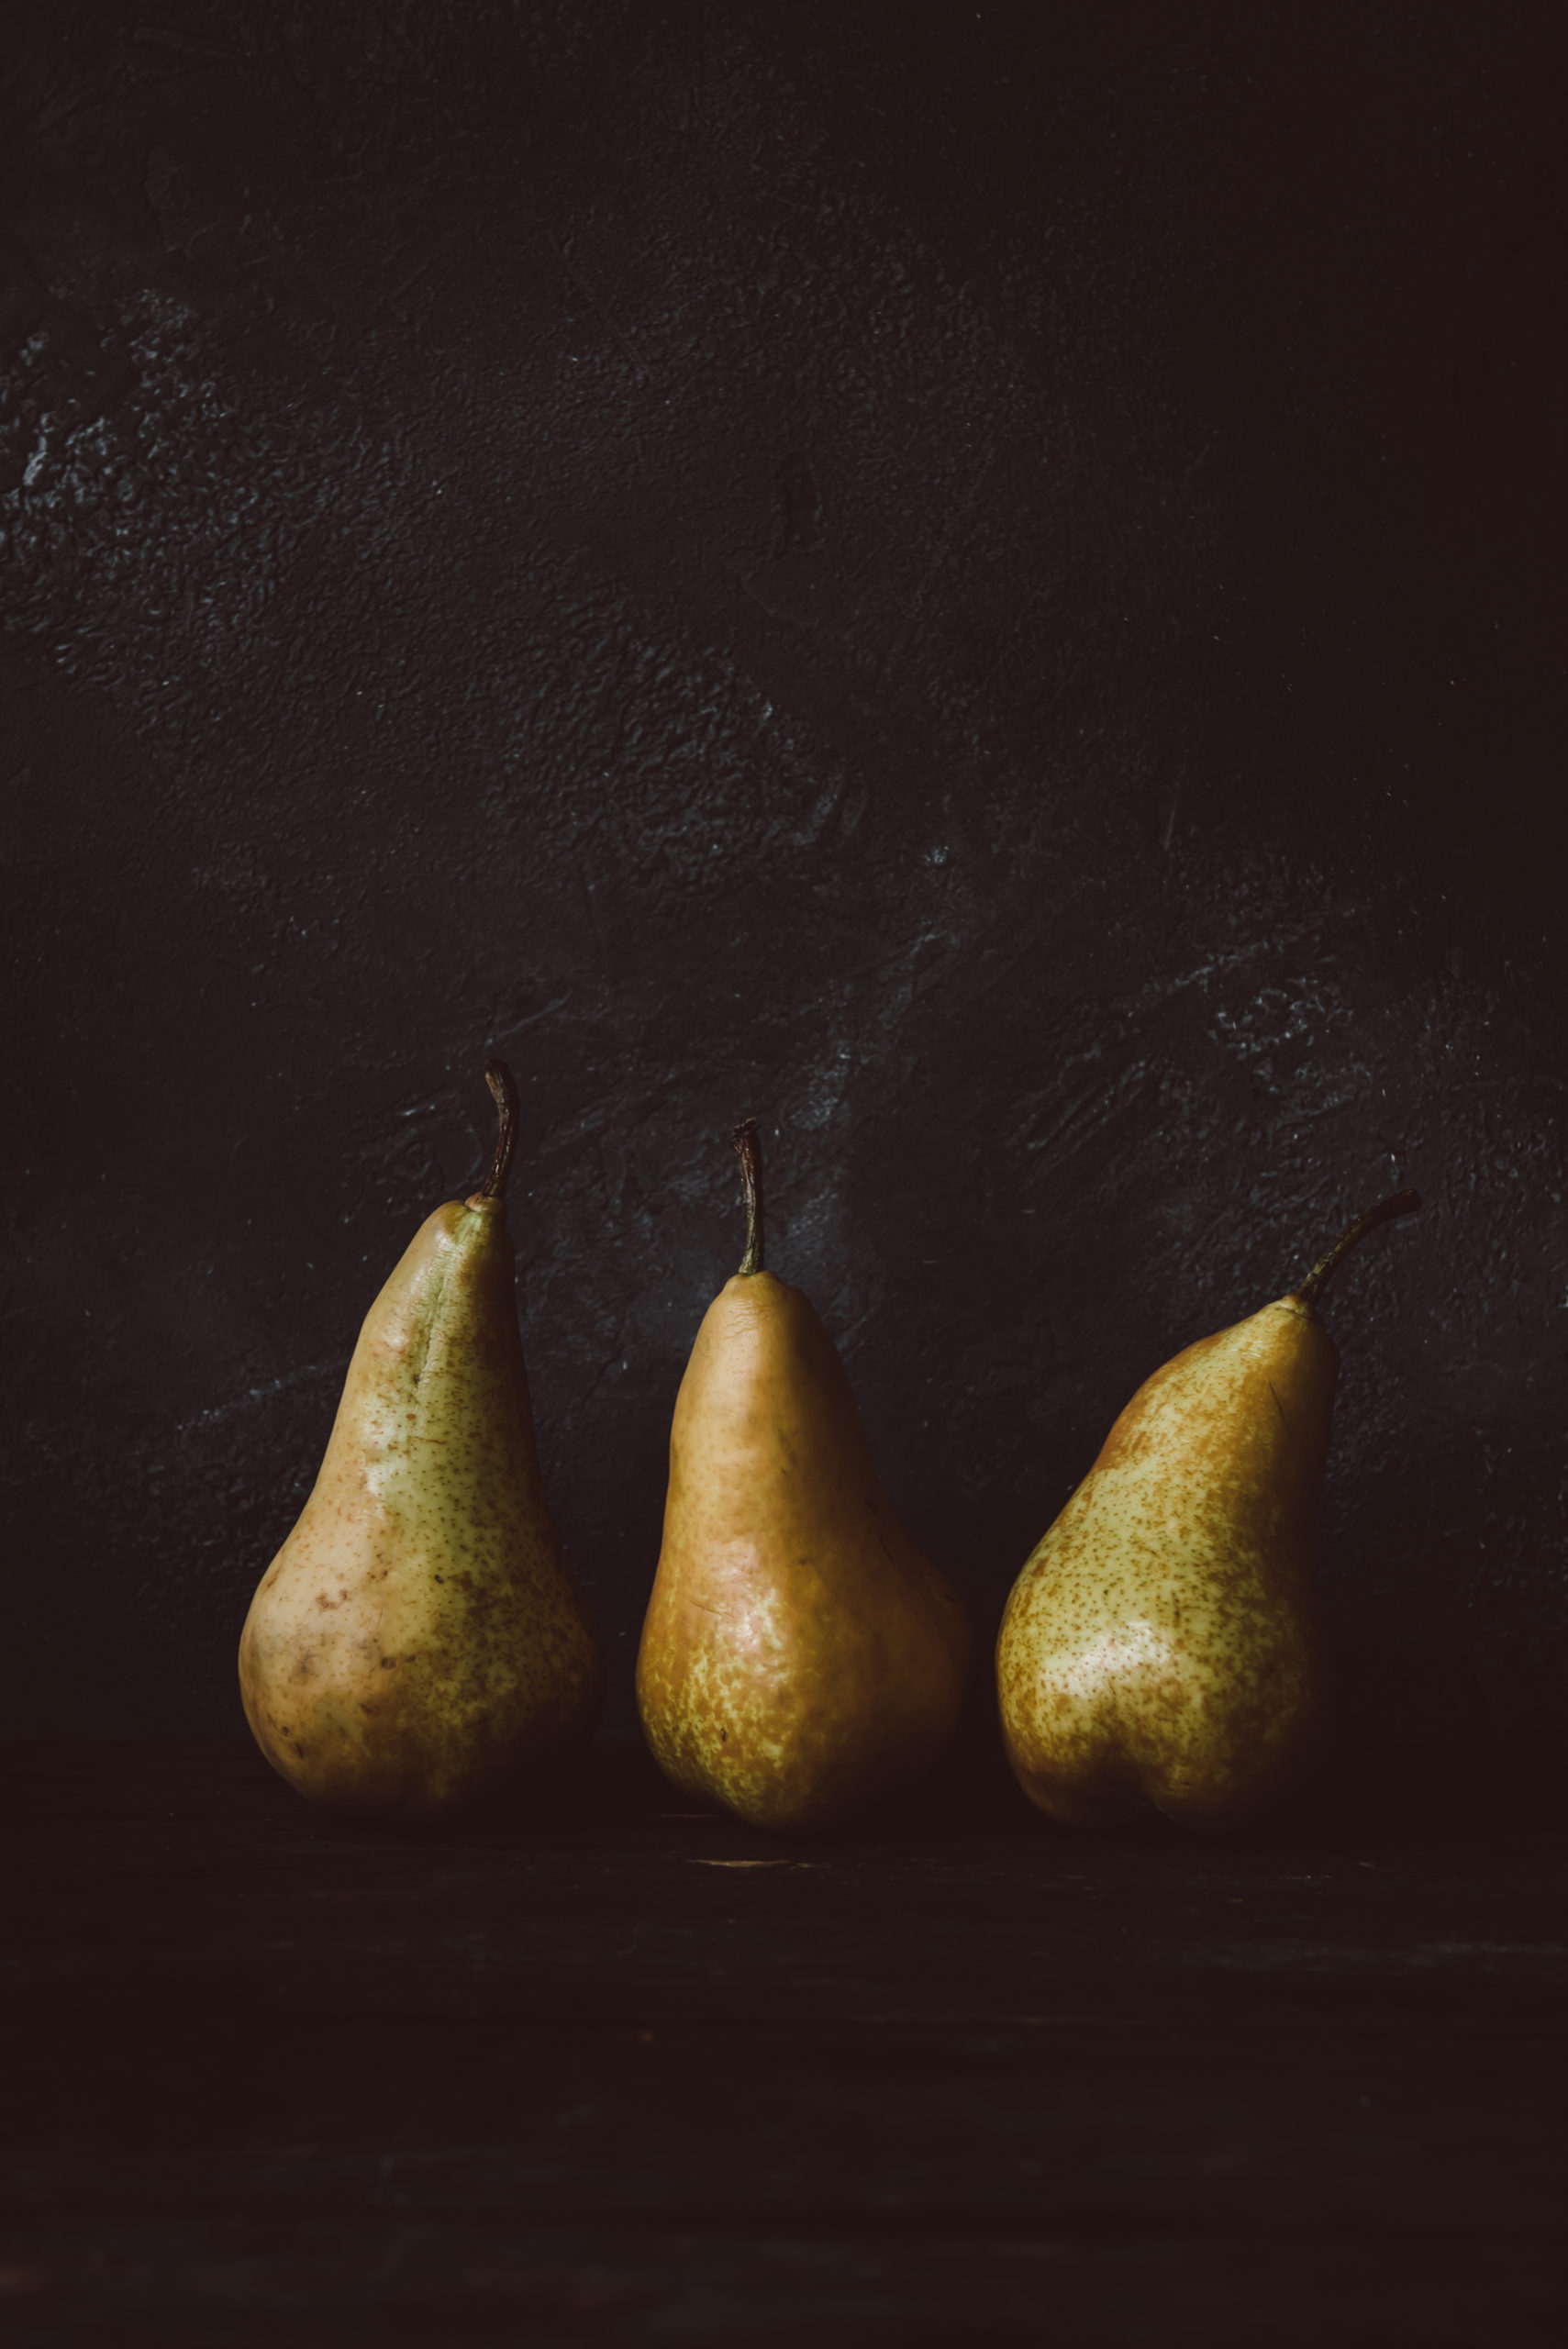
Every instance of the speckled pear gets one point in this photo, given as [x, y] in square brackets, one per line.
[800, 1655]
[1160, 1641]
[417, 1634]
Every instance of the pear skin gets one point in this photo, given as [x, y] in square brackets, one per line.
[417, 1633]
[1160, 1640]
[800, 1655]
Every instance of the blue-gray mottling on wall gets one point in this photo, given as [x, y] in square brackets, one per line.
[849, 569]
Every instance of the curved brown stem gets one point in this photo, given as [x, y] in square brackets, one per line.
[749, 1150]
[499, 1078]
[1402, 1203]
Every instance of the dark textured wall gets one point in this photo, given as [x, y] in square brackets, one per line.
[975, 582]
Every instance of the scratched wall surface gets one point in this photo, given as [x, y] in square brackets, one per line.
[974, 583]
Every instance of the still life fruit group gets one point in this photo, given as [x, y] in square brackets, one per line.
[417, 1634]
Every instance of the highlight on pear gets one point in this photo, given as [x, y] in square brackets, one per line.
[418, 1635]
[800, 1655]
[1161, 1641]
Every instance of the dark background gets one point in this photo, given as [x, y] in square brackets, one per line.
[977, 582]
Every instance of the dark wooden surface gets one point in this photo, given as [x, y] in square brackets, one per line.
[602, 2068]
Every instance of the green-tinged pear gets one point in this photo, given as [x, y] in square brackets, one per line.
[800, 1655]
[1160, 1641]
[417, 1633]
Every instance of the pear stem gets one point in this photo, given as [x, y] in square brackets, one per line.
[749, 1150]
[503, 1086]
[1316, 1281]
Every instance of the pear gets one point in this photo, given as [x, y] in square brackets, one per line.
[417, 1633]
[800, 1655]
[1160, 1640]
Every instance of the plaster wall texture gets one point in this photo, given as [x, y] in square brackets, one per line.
[977, 591]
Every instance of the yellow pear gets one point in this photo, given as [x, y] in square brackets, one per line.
[417, 1633]
[1160, 1640]
[800, 1655]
